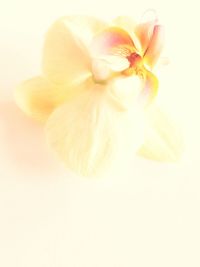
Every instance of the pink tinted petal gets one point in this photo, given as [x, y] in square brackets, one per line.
[155, 46]
[107, 41]
[129, 25]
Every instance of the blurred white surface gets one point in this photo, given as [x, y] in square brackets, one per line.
[144, 214]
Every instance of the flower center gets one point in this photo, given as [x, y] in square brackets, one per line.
[106, 68]
[135, 65]
[135, 60]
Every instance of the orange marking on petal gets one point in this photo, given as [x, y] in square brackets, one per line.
[155, 46]
[144, 32]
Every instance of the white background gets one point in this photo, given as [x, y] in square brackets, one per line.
[143, 214]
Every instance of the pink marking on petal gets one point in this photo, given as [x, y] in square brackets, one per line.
[111, 38]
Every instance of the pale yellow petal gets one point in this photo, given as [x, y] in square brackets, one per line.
[85, 27]
[115, 63]
[124, 92]
[108, 66]
[37, 98]
[87, 132]
[163, 140]
[151, 85]
[80, 133]
[66, 56]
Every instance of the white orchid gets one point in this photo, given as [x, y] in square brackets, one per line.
[97, 90]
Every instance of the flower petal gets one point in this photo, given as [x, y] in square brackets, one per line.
[80, 131]
[115, 63]
[163, 138]
[112, 41]
[110, 49]
[87, 132]
[155, 46]
[147, 37]
[144, 33]
[129, 25]
[37, 98]
[66, 57]
[124, 91]
[109, 66]
[150, 86]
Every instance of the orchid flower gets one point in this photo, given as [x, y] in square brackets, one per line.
[96, 87]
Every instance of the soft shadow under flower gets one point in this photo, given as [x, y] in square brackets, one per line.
[23, 146]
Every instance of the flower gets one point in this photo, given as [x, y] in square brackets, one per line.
[96, 83]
